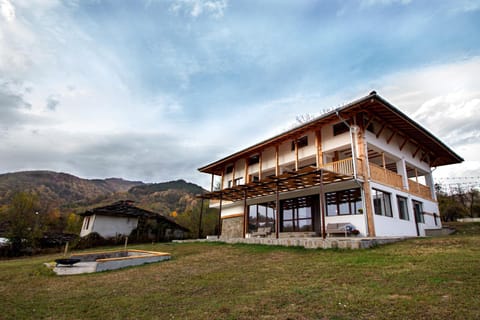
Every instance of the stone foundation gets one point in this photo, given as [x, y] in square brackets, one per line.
[232, 228]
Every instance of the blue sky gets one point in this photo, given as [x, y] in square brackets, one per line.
[152, 90]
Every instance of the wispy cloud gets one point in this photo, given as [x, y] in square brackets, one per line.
[384, 2]
[196, 8]
[7, 10]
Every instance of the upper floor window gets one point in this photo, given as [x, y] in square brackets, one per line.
[301, 142]
[229, 169]
[381, 203]
[254, 159]
[340, 128]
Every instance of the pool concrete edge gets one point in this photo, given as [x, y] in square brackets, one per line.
[91, 265]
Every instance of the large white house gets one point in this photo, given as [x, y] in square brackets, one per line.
[365, 163]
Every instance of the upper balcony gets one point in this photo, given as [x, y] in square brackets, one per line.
[327, 173]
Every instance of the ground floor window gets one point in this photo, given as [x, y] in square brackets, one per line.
[344, 202]
[402, 208]
[381, 203]
[297, 214]
[261, 215]
[418, 211]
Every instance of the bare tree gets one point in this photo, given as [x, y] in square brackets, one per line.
[304, 118]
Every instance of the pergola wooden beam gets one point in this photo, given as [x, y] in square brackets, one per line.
[304, 178]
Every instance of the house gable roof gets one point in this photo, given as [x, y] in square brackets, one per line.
[373, 105]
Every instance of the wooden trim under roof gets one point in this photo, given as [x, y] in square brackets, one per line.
[374, 104]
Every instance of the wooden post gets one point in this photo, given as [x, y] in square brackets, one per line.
[416, 180]
[277, 212]
[260, 164]
[233, 174]
[277, 167]
[363, 155]
[211, 184]
[245, 214]
[246, 172]
[220, 216]
[223, 180]
[318, 148]
[200, 221]
[322, 205]
[296, 154]
[66, 249]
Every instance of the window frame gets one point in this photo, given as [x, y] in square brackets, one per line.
[406, 213]
[419, 216]
[384, 197]
[301, 142]
[270, 210]
[352, 202]
[297, 216]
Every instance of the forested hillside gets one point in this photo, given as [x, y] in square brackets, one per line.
[54, 200]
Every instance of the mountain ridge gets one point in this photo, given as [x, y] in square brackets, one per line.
[72, 193]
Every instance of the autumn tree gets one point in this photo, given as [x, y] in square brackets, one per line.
[23, 221]
[200, 223]
[74, 224]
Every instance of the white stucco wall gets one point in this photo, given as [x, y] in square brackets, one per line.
[331, 142]
[394, 226]
[107, 226]
[87, 225]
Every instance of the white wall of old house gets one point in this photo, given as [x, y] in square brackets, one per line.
[108, 226]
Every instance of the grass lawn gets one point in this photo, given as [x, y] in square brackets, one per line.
[435, 278]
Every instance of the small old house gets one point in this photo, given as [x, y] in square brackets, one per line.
[122, 218]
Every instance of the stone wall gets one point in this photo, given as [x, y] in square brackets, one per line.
[232, 228]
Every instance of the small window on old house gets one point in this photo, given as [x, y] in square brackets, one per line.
[87, 222]
[229, 169]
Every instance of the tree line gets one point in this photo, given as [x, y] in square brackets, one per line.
[459, 202]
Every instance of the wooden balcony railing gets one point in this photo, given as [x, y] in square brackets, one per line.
[344, 166]
[377, 174]
[419, 189]
[385, 176]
